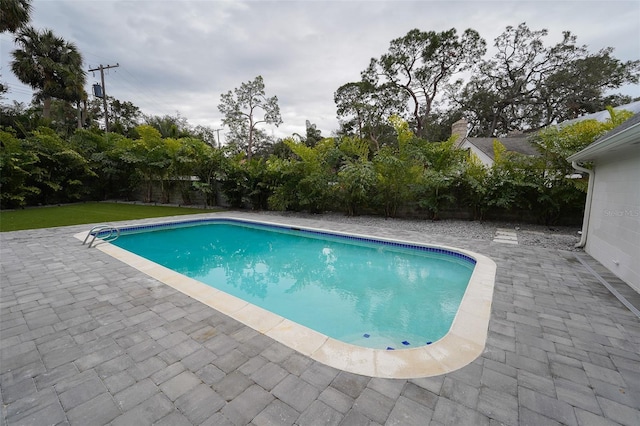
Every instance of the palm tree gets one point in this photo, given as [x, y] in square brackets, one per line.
[74, 79]
[50, 65]
[14, 14]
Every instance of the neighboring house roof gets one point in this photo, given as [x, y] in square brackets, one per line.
[483, 147]
[633, 107]
[624, 137]
[518, 144]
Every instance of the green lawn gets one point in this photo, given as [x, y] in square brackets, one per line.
[76, 214]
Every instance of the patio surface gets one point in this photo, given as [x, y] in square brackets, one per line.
[88, 340]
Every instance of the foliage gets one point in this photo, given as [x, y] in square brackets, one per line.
[55, 169]
[207, 167]
[20, 119]
[124, 116]
[16, 164]
[397, 173]
[151, 159]
[94, 147]
[580, 86]
[474, 186]
[507, 179]
[528, 85]
[364, 109]
[354, 148]
[356, 179]
[232, 182]
[303, 182]
[395, 177]
[380, 161]
[438, 167]
[557, 143]
[50, 65]
[443, 166]
[15, 14]
[313, 134]
[207, 135]
[34, 169]
[168, 126]
[557, 188]
[63, 117]
[440, 122]
[245, 182]
[116, 166]
[334, 174]
[420, 64]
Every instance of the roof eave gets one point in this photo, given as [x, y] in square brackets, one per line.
[607, 145]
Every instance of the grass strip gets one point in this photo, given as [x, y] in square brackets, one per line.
[81, 213]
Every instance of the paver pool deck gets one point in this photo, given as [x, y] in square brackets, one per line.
[88, 340]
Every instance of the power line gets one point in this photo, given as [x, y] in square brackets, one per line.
[22, 90]
[136, 87]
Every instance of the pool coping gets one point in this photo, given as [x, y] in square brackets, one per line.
[464, 342]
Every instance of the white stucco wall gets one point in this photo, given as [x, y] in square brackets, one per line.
[613, 236]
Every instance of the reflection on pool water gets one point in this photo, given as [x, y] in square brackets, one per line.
[374, 294]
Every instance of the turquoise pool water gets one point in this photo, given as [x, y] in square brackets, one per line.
[360, 291]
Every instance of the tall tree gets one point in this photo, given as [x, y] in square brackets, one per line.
[241, 107]
[511, 78]
[364, 108]
[351, 103]
[313, 134]
[169, 126]
[124, 117]
[14, 14]
[422, 63]
[528, 85]
[50, 65]
[206, 134]
[581, 87]
[237, 140]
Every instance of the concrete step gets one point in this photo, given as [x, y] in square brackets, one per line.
[505, 236]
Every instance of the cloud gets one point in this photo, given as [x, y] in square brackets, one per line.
[182, 55]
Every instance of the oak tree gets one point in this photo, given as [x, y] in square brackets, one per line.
[422, 64]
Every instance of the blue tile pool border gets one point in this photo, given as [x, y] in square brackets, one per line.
[210, 221]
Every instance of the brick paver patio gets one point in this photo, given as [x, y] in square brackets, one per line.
[87, 340]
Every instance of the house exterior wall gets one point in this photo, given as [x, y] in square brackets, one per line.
[613, 236]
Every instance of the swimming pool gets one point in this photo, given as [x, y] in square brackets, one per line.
[370, 293]
[252, 270]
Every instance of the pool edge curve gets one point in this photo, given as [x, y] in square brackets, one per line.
[464, 342]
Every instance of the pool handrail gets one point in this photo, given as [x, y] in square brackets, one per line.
[113, 233]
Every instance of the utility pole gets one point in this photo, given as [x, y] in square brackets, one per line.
[104, 92]
[218, 132]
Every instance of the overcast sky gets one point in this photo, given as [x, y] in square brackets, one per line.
[180, 56]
